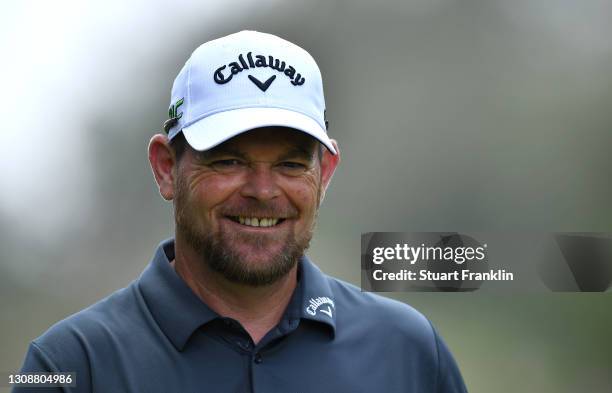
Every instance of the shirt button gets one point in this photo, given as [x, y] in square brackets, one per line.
[258, 359]
[244, 345]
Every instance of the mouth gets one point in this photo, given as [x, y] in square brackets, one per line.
[257, 222]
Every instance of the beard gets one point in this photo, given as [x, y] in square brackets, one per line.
[215, 249]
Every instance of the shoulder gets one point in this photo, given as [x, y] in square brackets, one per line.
[71, 339]
[380, 314]
[352, 299]
[389, 329]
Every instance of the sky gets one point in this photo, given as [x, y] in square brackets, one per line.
[61, 58]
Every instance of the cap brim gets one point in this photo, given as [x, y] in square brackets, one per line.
[216, 129]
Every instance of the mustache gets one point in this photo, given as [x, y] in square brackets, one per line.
[260, 209]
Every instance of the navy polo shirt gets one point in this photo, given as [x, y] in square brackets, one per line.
[156, 335]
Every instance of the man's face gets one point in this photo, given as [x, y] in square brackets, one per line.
[248, 206]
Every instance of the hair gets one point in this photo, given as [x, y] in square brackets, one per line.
[179, 145]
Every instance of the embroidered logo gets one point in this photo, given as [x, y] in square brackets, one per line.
[222, 76]
[263, 86]
[316, 303]
[173, 114]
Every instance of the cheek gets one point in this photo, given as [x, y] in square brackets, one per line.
[209, 190]
[304, 193]
[306, 196]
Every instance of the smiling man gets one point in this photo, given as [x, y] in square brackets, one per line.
[231, 303]
[244, 213]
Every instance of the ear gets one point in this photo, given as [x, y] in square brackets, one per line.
[163, 161]
[329, 163]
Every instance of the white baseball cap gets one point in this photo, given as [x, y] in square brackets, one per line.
[244, 81]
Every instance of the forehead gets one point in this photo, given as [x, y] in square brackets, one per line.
[269, 140]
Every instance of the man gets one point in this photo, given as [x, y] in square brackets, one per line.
[232, 304]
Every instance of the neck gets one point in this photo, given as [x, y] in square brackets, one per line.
[258, 309]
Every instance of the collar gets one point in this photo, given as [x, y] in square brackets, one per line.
[179, 312]
[176, 309]
[318, 302]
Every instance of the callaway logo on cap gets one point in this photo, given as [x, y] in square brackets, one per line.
[244, 81]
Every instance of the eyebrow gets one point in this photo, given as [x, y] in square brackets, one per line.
[208, 155]
[298, 152]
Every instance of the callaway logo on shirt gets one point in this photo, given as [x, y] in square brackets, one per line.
[317, 303]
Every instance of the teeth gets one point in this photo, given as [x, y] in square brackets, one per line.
[258, 222]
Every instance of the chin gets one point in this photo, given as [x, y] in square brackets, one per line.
[252, 258]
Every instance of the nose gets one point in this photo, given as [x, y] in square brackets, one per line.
[260, 183]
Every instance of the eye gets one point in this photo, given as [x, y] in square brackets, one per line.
[293, 165]
[292, 168]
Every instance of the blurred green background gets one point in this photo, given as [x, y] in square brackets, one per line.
[468, 115]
